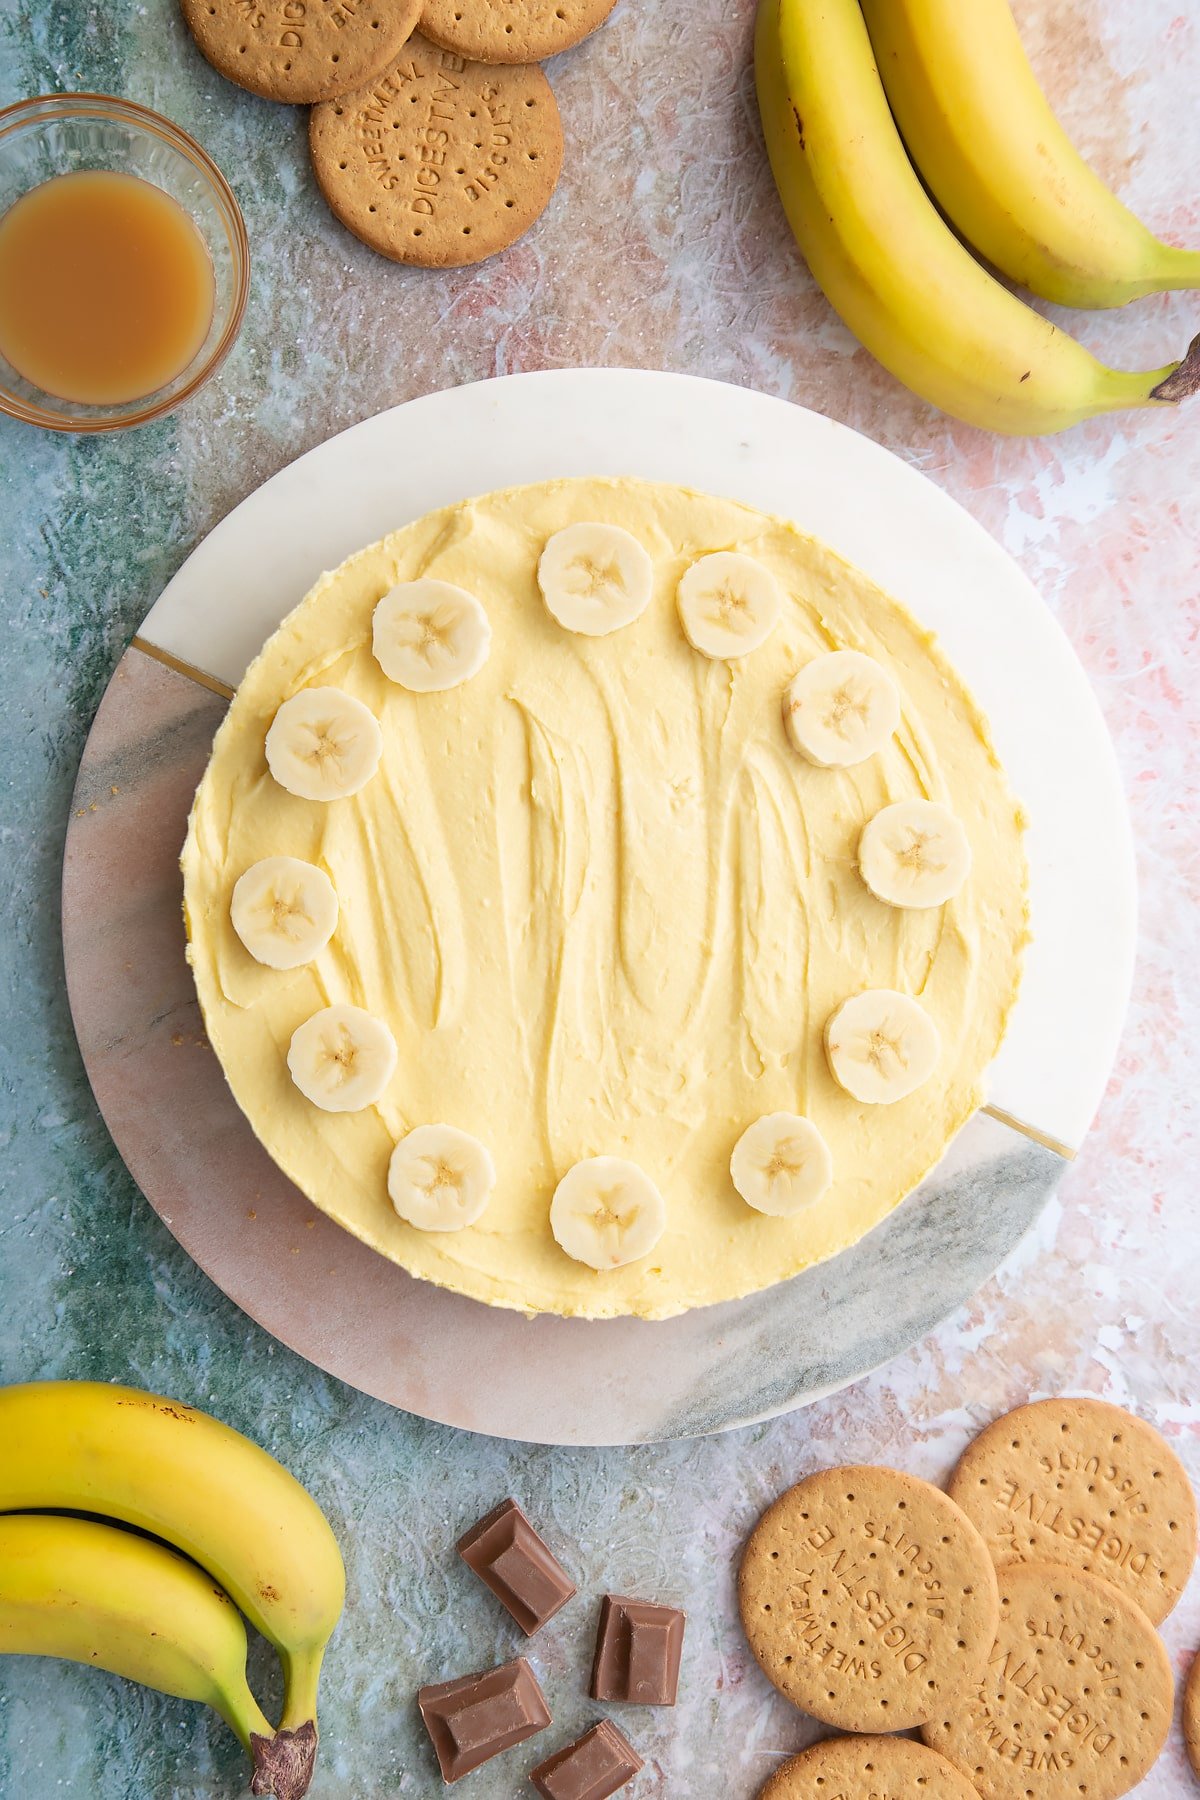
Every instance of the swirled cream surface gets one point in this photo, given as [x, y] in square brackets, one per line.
[604, 906]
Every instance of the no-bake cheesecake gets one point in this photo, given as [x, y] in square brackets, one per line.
[655, 873]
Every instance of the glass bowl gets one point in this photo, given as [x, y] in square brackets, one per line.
[58, 134]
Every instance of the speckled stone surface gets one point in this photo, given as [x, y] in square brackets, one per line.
[663, 247]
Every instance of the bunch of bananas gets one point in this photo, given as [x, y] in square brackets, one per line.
[838, 81]
[94, 1593]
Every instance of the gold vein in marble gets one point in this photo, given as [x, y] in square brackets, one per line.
[1030, 1131]
[199, 676]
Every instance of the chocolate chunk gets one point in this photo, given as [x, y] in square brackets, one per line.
[476, 1717]
[508, 1555]
[592, 1768]
[638, 1650]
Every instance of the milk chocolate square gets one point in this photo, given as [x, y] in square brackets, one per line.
[474, 1718]
[508, 1555]
[594, 1767]
[638, 1651]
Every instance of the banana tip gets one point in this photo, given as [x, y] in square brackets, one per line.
[283, 1764]
[1183, 381]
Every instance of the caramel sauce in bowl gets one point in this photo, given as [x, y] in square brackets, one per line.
[124, 263]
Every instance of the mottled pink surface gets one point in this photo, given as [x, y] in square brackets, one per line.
[665, 247]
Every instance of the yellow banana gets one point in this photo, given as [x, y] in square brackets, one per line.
[206, 1489]
[886, 260]
[94, 1594]
[1000, 165]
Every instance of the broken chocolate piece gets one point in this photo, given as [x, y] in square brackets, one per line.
[508, 1555]
[592, 1768]
[638, 1651]
[476, 1717]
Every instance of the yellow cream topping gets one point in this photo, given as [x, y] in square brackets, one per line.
[603, 905]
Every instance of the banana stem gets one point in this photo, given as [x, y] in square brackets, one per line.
[244, 1717]
[1180, 270]
[283, 1762]
[301, 1672]
[1183, 380]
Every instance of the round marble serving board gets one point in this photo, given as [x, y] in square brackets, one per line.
[310, 1283]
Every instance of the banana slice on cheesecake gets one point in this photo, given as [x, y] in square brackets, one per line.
[440, 1178]
[914, 853]
[881, 1045]
[607, 1212]
[728, 604]
[342, 1058]
[840, 709]
[429, 635]
[781, 1164]
[595, 578]
[284, 910]
[323, 744]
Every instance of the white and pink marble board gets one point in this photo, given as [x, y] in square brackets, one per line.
[328, 1296]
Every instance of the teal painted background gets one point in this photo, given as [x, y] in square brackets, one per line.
[663, 247]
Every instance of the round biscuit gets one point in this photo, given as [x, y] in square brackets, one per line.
[1191, 1715]
[439, 162]
[512, 31]
[864, 1768]
[1084, 1483]
[868, 1598]
[1076, 1698]
[301, 51]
